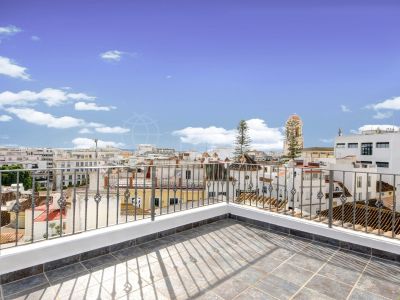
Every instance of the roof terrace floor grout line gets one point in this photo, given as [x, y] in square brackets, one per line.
[313, 276]
[358, 280]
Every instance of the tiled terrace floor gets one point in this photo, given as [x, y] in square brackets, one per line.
[222, 260]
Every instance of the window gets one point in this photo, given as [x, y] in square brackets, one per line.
[137, 202]
[173, 201]
[369, 180]
[188, 174]
[211, 194]
[359, 182]
[352, 145]
[157, 202]
[382, 145]
[366, 149]
[366, 164]
[381, 164]
[340, 145]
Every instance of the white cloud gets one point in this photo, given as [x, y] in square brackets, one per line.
[263, 137]
[95, 125]
[209, 135]
[375, 127]
[116, 129]
[383, 115]
[39, 118]
[85, 131]
[9, 30]
[112, 55]
[85, 143]
[345, 109]
[92, 106]
[44, 119]
[10, 68]
[115, 55]
[389, 104]
[327, 141]
[50, 96]
[35, 38]
[5, 118]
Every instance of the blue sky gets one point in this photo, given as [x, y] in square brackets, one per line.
[183, 73]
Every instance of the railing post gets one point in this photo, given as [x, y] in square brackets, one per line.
[153, 192]
[330, 208]
[227, 183]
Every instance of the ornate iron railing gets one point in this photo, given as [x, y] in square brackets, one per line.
[44, 204]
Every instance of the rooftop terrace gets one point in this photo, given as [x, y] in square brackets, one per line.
[220, 231]
[226, 259]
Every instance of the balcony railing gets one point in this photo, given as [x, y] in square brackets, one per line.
[39, 205]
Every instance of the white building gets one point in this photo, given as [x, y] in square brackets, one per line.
[81, 163]
[28, 158]
[374, 147]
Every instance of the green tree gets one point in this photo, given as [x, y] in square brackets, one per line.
[243, 140]
[9, 178]
[293, 145]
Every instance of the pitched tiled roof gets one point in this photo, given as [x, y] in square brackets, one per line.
[54, 214]
[339, 194]
[245, 163]
[382, 186]
[10, 237]
[261, 200]
[359, 211]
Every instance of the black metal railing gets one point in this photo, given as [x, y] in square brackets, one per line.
[44, 204]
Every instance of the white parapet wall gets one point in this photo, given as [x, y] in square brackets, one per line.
[321, 229]
[24, 256]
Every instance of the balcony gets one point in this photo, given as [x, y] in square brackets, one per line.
[227, 237]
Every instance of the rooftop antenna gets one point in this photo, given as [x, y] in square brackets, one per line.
[393, 122]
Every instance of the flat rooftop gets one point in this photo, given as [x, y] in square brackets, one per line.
[222, 260]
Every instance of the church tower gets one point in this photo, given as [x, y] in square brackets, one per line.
[298, 132]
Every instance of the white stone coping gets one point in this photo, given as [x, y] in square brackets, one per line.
[317, 228]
